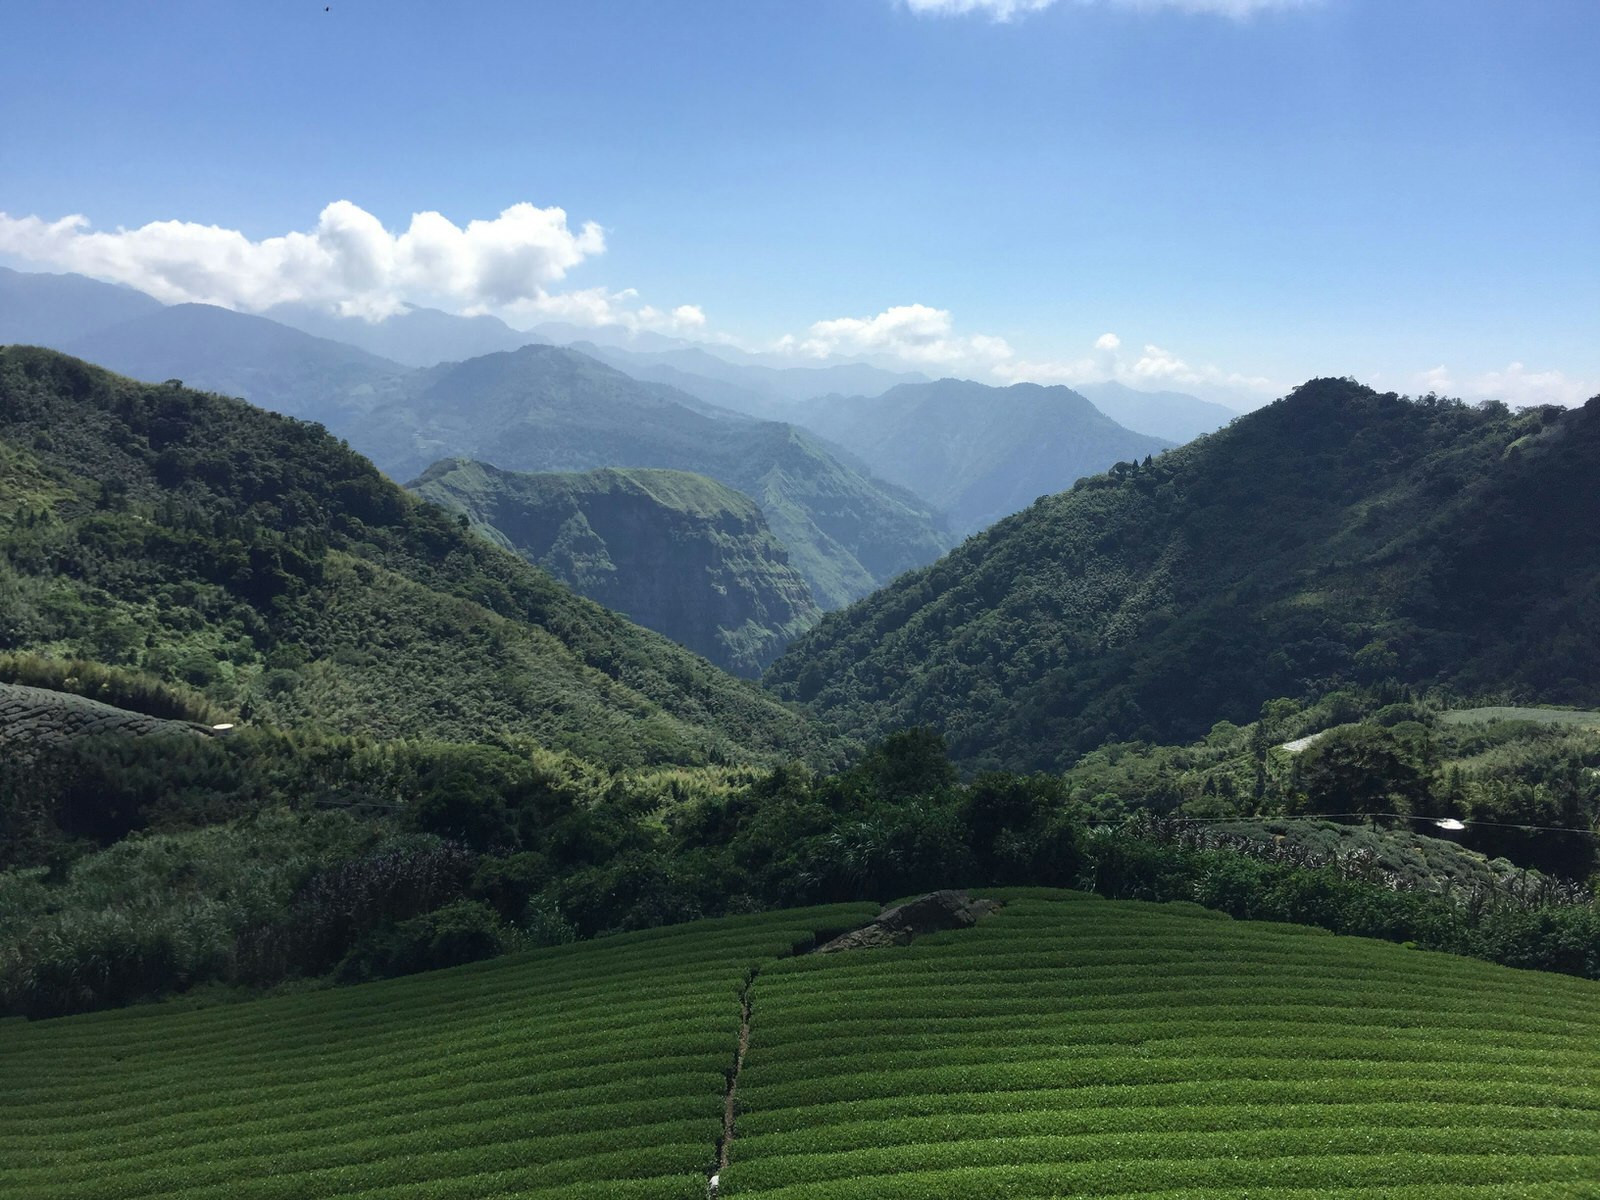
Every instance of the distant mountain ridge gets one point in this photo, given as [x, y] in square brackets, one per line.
[552, 409]
[549, 408]
[415, 337]
[37, 309]
[675, 552]
[758, 390]
[979, 453]
[1337, 536]
[1176, 416]
[236, 354]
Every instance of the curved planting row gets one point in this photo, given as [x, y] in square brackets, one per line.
[1068, 1046]
[590, 1070]
[1063, 1046]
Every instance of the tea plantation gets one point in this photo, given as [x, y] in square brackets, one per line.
[1072, 1047]
[594, 1070]
[1064, 1046]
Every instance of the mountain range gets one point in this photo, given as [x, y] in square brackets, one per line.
[549, 408]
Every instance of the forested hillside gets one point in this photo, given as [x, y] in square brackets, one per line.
[1338, 535]
[675, 552]
[259, 559]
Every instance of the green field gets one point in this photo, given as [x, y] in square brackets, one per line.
[1545, 716]
[1065, 1046]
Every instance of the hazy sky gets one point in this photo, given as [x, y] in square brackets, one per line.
[1221, 196]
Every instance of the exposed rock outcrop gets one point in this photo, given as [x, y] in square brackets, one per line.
[900, 925]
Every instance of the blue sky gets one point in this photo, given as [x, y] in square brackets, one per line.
[1241, 194]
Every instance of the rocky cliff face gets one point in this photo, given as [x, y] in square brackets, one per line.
[672, 551]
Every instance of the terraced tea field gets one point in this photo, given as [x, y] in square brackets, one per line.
[594, 1070]
[1084, 1047]
[1064, 1046]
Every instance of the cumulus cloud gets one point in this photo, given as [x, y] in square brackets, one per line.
[1107, 341]
[1516, 385]
[348, 261]
[1006, 10]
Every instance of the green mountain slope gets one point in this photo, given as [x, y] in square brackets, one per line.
[1062, 1046]
[545, 408]
[979, 453]
[233, 549]
[1336, 536]
[675, 552]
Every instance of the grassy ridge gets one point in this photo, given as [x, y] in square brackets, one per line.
[593, 1070]
[1074, 1047]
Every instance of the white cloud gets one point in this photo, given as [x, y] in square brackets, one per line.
[1156, 368]
[922, 336]
[1006, 10]
[1516, 385]
[348, 261]
[1000, 10]
[593, 307]
[913, 333]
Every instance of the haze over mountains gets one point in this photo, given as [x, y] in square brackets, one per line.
[415, 337]
[548, 408]
[976, 452]
[48, 310]
[889, 487]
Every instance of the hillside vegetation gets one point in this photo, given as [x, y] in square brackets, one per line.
[675, 552]
[260, 560]
[978, 453]
[1063, 1045]
[522, 407]
[264, 857]
[1336, 537]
